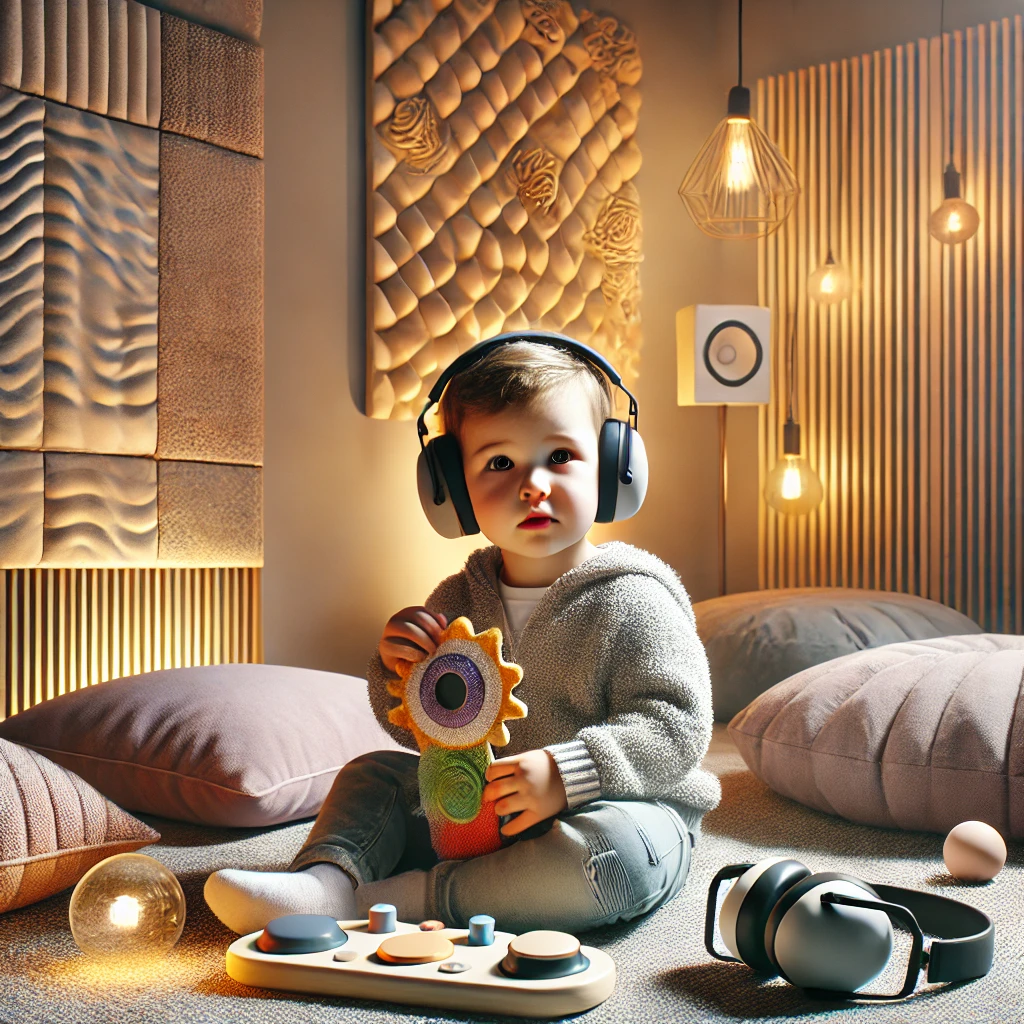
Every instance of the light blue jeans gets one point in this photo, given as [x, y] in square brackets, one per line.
[607, 861]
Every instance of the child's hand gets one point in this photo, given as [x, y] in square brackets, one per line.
[410, 635]
[529, 783]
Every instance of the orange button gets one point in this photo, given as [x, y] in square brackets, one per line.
[415, 948]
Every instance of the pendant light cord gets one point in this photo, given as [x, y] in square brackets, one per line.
[739, 42]
[947, 106]
[790, 364]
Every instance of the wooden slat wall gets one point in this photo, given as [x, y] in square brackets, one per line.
[64, 629]
[911, 393]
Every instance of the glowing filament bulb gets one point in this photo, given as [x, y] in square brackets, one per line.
[791, 488]
[739, 170]
[954, 223]
[124, 912]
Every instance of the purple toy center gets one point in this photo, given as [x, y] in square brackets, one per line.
[463, 667]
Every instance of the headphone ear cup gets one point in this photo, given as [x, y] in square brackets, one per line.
[453, 516]
[617, 500]
[820, 945]
[748, 905]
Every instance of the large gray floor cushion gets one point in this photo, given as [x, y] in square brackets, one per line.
[755, 640]
[917, 735]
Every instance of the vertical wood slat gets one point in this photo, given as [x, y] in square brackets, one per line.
[65, 629]
[911, 394]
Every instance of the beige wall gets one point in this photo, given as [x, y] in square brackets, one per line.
[346, 542]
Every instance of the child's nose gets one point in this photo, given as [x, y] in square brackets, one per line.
[535, 485]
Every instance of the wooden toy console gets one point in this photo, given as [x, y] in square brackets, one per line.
[514, 975]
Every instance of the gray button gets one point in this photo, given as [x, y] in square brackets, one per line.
[344, 956]
[453, 967]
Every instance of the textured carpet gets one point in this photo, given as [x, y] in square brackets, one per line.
[664, 974]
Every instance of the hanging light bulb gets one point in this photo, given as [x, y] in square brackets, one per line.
[955, 220]
[793, 487]
[830, 283]
[739, 185]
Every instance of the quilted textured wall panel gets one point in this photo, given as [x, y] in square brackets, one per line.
[210, 386]
[212, 86]
[101, 227]
[21, 508]
[99, 510]
[98, 55]
[21, 271]
[501, 156]
[210, 514]
[242, 18]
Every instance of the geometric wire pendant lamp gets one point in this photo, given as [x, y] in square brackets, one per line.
[739, 185]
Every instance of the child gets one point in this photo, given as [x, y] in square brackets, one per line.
[603, 776]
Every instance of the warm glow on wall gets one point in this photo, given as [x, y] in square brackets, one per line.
[65, 629]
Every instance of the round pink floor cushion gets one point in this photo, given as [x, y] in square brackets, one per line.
[922, 734]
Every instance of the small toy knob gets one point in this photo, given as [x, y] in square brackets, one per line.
[481, 930]
[383, 918]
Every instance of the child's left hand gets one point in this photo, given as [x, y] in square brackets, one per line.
[528, 783]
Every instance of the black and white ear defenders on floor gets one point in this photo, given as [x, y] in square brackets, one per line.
[622, 458]
[832, 934]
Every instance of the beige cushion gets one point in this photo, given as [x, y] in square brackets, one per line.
[237, 745]
[917, 735]
[757, 639]
[54, 827]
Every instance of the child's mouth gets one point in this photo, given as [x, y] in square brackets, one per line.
[536, 523]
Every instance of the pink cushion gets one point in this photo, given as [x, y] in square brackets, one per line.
[54, 827]
[236, 745]
[917, 735]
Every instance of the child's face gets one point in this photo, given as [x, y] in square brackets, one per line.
[532, 473]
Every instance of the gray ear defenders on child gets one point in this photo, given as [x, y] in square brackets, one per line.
[832, 934]
[622, 458]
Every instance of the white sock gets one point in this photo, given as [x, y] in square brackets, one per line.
[246, 900]
[406, 892]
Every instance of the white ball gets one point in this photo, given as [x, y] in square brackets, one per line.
[974, 852]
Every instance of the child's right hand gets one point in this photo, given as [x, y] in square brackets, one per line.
[410, 635]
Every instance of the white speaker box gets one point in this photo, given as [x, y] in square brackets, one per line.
[723, 355]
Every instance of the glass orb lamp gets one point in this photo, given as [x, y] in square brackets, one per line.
[955, 220]
[830, 283]
[793, 487]
[739, 185]
[127, 907]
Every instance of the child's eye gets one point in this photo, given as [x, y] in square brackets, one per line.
[560, 456]
[500, 462]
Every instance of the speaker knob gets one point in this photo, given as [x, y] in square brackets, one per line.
[544, 954]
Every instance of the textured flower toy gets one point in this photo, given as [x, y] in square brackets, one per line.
[456, 703]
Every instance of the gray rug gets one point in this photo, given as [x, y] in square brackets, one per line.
[664, 973]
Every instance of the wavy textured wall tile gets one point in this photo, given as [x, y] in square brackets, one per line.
[242, 18]
[502, 152]
[21, 508]
[99, 510]
[100, 340]
[212, 86]
[211, 304]
[21, 270]
[209, 514]
[98, 55]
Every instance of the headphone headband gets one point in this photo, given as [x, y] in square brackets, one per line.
[552, 338]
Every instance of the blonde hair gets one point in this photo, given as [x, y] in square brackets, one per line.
[521, 374]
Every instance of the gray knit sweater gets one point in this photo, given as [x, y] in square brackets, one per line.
[614, 676]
